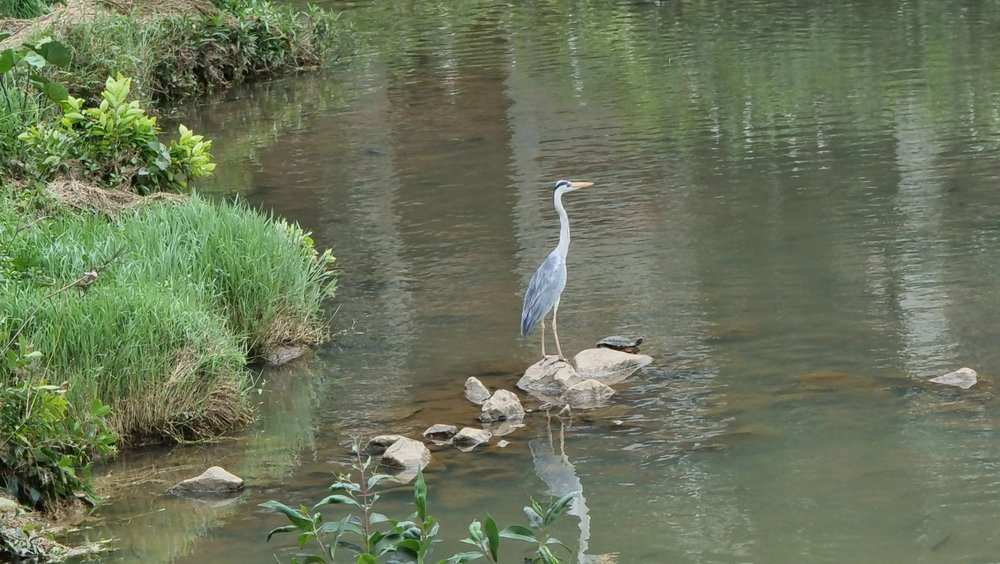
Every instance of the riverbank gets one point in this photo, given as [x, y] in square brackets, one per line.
[130, 308]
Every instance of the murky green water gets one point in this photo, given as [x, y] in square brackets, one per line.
[797, 206]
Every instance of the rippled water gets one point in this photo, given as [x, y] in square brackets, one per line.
[796, 205]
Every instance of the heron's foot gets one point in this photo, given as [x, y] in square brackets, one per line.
[552, 359]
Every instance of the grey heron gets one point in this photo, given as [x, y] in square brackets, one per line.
[549, 280]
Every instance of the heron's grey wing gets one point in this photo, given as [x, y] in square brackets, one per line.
[543, 291]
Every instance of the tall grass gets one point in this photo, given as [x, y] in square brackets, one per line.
[23, 9]
[171, 57]
[20, 106]
[163, 334]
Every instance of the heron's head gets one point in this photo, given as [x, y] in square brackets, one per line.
[569, 186]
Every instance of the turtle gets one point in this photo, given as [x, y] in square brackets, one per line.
[622, 343]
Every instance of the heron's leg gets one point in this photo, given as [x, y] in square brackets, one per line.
[555, 330]
[543, 337]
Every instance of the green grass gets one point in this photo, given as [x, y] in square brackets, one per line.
[23, 9]
[20, 106]
[164, 333]
[245, 40]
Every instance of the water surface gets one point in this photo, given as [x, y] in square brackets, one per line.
[796, 204]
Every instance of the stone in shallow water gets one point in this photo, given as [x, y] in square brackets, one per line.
[440, 431]
[963, 378]
[502, 406]
[215, 480]
[586, 394]
[476, 391]
[469, 438]
[608, 365]
[408, 454]
[548, 379]
[379, 443]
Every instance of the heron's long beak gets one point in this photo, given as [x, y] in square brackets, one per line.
[580, 185]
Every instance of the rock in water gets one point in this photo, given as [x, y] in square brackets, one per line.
[964, 378]
[440, 431]
[608, 365]
[587, 394]
[502, 406]
[408, 454]
[215, 480]
[548, 379]
[469, 438]
[378, 444]
[476, 391]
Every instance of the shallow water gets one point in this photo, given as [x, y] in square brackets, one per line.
[796, 204]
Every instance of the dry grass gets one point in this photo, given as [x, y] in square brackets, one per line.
[88, 197]
[74, 12]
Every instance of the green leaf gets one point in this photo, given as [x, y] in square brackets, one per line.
[336, 499]
[420, 495]
[367, 559]
[342, 485]
[312, 558]
[8, 58]
[557, 507]
[55, 53]
[282, 529]
[4, 35]
[547, 556]
[518, 532]
[53, 90]
[493, 535]
[409, 545]
[375, 518]
[476, 531]
[534, 519]
[462, 557]
[34, 59]
[299, 518]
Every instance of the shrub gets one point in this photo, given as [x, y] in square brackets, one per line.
[117, 144]
[47, 444]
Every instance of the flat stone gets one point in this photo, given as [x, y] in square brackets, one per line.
[963, 378]
[471, 437]
[283, 355]
[476, 391]
[548, 379]
[215, 480]
[586, 394]
[440, 431]
[503, 405]
[407, 454]
[378, 444]
[608, 365]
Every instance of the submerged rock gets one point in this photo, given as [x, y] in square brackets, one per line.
[476, 391]
[501, 428]
[608, 365]
[469, 438]
[215, 480]
[548, 379]
[440, 431]
[587, 394]
[283, 355]
[378, 444]
[502, 406]
[963, 378]
[407, 454]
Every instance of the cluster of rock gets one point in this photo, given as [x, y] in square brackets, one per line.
[550, 380]
[584, 384]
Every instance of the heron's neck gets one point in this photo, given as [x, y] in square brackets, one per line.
[563, 247]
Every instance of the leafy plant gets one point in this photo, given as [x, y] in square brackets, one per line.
[379, 535]
[117, 143]
[24, 90]
[47, 444]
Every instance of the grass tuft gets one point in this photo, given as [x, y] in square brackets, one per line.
[164, 332]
